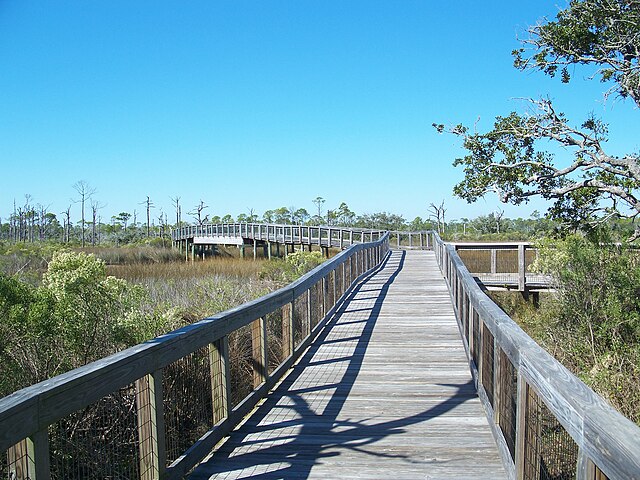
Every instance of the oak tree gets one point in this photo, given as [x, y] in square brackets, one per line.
[513, 159]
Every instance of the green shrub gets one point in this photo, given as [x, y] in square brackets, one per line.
[78, 315]
[292, 267]
[593, 322]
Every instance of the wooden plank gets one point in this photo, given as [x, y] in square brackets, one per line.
[151, 426]
[259, 349]
[521, 269]
[220, 378]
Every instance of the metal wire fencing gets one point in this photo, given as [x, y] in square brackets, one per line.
[550, 452]
[487, 363]
[99, 441]
[507, 413]
[188, 405]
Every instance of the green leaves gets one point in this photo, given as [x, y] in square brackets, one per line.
[503, 160]
[78, 315]
[586, 183]
[602, 33]
[596, 314]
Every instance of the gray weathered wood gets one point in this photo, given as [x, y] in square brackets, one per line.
[605, 437]
[220, 378]
[384, 392]
[259, 347]
[151, 426]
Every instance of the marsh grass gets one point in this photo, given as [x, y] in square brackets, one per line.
[131, 255]
[174, 270]
[179, 292]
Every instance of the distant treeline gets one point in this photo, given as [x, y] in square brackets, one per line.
[31, 222]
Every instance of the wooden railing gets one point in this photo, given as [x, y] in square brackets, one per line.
[502, 264]
[548, 423]
[156, 409]
[410, 240]
[338, 237]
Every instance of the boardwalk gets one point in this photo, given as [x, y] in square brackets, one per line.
[385, 392]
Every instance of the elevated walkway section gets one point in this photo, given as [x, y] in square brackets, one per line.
[384, 392]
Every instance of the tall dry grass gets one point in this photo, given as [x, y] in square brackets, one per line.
[173, 270]
[182, 292]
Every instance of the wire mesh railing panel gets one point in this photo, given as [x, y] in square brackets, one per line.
[188, 406]
[339, 281]
[549, 451]
[465, 327]
[476, 261]
[508, 402]
[530, 256]
[487, 362]
[275, 351]
[240, 364]
[329, 289]
[317, 307]
[499, 265]
[98, 442]
[4, 465]
[300, 318]
[507, 261]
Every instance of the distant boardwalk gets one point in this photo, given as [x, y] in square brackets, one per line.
[385, 392]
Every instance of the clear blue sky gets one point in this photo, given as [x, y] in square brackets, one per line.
[263, 104]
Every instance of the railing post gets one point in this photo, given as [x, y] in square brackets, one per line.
[259, 347]
[21, 465]
[29, 459]
[494, 260]
[497, 384]
[521, 269]
[220, 378]
[480, 343]
[287, 330]
[151, 426]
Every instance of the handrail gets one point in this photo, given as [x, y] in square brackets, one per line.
[537, 408]
[491, 271]
[27, 417]
[284, 233]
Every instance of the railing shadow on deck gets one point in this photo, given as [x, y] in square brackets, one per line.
[293, 455]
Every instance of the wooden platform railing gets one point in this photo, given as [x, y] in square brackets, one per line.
[502, 264]
[155, 410]
[410, 240]
[338, 237]
[548, 423]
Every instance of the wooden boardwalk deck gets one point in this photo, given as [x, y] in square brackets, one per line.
[384, 392]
